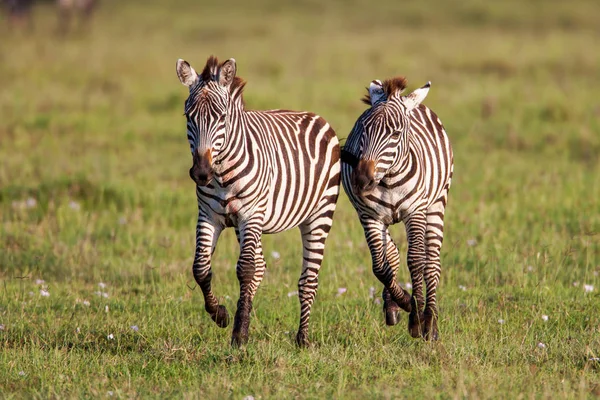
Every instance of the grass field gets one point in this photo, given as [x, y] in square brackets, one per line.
[98, 213]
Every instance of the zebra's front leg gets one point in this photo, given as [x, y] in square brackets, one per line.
[416, 259]
[390, 307]
[206, 239]
[250, 271]
[377, 237]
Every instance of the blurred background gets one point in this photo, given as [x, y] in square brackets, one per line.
[94, 185]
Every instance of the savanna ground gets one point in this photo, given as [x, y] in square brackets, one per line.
[98, 213]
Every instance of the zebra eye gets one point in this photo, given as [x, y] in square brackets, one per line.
[395, 134]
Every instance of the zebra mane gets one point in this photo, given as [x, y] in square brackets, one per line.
[390, 87]
[211, 73]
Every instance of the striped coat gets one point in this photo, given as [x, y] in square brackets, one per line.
[397, 167]
[258, 172]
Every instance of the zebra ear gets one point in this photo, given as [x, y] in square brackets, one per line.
[376, 93]
[186, 73]
[227, 72]
[413, 100]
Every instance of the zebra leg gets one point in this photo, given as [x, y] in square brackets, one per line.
[250, 274]
[416, 260]
[377, 238]
[390, 307]
[207, 235]
[434, 237]
[314, 234]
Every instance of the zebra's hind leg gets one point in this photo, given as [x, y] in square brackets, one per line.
[434, 237]
[207, 235]
[314, 234]
[416, 260]
[377, 237]
[250, 272]
[390, 307]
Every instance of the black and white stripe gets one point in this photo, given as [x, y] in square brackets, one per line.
[397, 166]
[259, 172]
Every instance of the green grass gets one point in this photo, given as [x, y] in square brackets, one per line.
[94, 188]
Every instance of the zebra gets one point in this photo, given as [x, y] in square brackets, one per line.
[259, 172]
[397, 165]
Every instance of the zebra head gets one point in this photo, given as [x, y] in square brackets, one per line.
[382, 130]
[206, 111]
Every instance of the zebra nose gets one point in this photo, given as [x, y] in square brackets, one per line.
[202, 171]
[364, 175]
[364, 182]
[200, 176]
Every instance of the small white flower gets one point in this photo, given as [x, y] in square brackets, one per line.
[73, 205]
[292, 294]
[576, 283]
[2, 327]
[44, 293]
[135, 328]
[31, 294]
[371, 292]
[110, 336]
[408, 285]
[227, 297]
[21, 373]
[462, 287]
[249, 397]
[377, 301]
[106, 308]
[588, 288]
[341, 291]
[39, 281]
[541, 345]
[597, 359]
[78, 330]
[275, 255]
[501, 321]
[30, 202]
[110, 393]
[472, 242]
[102, 285]
[529, 268]
[544, 318]
[86, 303]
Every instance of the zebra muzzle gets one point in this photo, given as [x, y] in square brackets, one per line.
[202, 171]
[364, 176]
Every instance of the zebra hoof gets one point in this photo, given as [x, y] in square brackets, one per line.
[302, 340]
[415, 324]
[238, 339]
[430, 331]
[390, 308]
[221, 317]
[391, 317]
